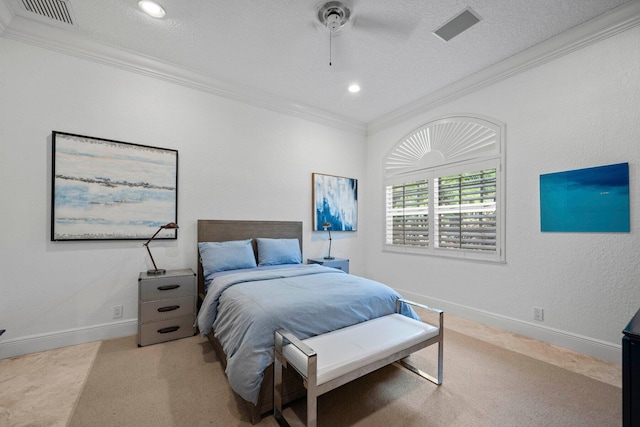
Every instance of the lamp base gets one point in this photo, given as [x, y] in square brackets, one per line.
[329, 257]
[158, 272]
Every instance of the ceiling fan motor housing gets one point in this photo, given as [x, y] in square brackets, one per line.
[333, 15]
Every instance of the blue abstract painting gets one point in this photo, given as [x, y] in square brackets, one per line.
[105, 189]
[335, 201]
[586, 200]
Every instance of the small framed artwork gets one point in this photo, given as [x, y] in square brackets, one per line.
[587, 200]
[111, 190]
[335, 201]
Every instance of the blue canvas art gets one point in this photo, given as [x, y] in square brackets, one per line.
[335, 201]
[586, 200]
[105, 189]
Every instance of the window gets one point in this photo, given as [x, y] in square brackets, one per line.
[443, 190]
[466, 211]
[408, 214]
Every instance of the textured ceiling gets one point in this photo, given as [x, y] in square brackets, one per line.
[278, 47]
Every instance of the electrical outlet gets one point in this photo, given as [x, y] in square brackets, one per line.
[117, 311]
[538, 314]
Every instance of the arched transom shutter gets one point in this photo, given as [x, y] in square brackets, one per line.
[443, 141]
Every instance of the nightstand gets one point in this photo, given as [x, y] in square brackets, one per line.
[166, 306]
[339, 263]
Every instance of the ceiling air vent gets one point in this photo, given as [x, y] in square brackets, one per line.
[459, 23]
[56, 12]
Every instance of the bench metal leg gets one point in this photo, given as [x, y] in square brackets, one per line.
[312, 400]
[409, 366]
[440, 355]
[277, 383]
[309, 380]
[312, 409]
[423, 374]
[311, 383]
[277, 393]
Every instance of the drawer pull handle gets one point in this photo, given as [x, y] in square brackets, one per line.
[168, 330]
[168, 308]
[168, 287]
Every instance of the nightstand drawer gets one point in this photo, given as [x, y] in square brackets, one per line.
[166, 330]
[167, 287]
[166, 306]
[153, 311]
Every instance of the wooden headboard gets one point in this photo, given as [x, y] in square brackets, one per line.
[214, 230]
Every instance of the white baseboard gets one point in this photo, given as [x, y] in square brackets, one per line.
[601, 349]
[593, 347]
[50, 341]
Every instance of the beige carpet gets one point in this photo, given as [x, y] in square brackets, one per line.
[39, 389]
[181, 383]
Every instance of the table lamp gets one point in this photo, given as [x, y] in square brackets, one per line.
[327, 227]
[158, 271]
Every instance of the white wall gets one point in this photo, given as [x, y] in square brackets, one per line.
[243, 162]
[235, 162]
[580, 110]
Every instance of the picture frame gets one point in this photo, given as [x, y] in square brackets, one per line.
[102, 189]
[335, 200]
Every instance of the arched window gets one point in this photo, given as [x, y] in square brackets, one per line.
[444, 190]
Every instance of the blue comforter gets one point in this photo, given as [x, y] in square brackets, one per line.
[245, 308]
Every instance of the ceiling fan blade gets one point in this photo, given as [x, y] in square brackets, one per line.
[397, 27]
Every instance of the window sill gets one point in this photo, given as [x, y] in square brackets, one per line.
[445, 253]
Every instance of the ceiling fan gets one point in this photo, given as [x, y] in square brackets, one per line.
[334, 15]
[374, 18]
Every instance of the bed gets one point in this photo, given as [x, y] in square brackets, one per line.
[242, 302]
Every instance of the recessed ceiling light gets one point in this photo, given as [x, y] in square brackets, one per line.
[151, 8]
[354, 88]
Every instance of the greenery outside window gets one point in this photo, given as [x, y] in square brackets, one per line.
[444, 190]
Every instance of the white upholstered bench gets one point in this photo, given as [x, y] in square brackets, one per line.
[330, 360]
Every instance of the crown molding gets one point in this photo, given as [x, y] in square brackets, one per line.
[71, 43]
[609, 24]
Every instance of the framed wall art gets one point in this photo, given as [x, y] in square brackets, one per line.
[335, 200]
[111, 190]
[586, 200]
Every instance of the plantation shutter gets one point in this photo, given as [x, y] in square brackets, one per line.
[407, 214]
[465, 211]
[444, 184]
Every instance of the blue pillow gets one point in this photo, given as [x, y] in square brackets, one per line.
[278, 251]
[222, 256]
